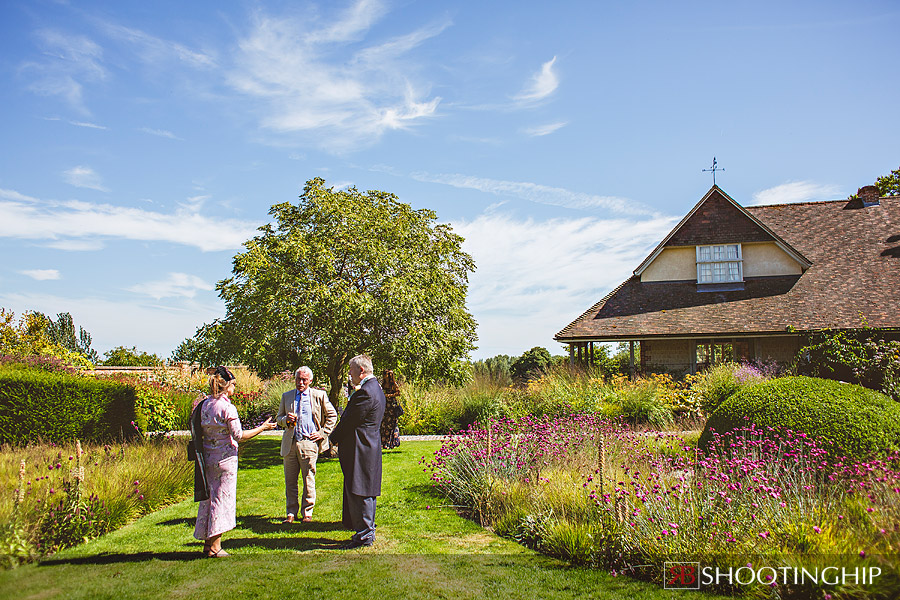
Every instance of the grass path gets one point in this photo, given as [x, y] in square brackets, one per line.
[420, 552]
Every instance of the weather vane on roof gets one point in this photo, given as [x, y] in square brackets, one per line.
[713, 169]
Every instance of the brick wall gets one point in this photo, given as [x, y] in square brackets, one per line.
[673, 356]
[718, 221]
[780, 349]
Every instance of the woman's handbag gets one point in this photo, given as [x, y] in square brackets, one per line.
[195, 453]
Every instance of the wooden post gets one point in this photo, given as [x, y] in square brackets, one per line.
[601, 454]
[571, 355]
[631, 359]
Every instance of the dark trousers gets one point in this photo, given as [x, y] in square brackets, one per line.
[361, 513]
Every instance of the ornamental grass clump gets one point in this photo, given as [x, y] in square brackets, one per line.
[491, 470]
[65, 495]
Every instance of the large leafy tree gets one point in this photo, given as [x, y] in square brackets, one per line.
[121, 356]
[340, 273]
[62, 332]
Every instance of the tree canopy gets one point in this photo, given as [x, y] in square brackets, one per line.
[121, 356]
[35, 334]
[342, 273]
[532, 364]
[889, 185]
[62, 332]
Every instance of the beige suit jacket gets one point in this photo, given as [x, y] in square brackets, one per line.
[323, 414]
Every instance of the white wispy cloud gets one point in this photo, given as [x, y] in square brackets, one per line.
[76, 245]
[160, 133]
[535, 192]
[545, 129]
[177, 285]
[83, 225]
[534, 277]
[14, 195]
[797, 191]
[322, 82]
[542, 85]
[155, 50]
[157, 329]
[352, 24]
[66, 63]
[84, 177]
[86, 124]
[41, 274]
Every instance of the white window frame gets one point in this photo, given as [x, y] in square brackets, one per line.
[715, 264]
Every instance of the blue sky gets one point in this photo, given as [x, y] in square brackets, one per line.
[143, 142]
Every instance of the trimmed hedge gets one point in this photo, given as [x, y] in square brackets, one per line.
[57, 407]
[861, 423]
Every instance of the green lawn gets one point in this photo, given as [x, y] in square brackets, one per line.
[421, 552]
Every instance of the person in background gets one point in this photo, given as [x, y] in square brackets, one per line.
[218, 448]
[358, 436]
[390, 432]
[307, 417]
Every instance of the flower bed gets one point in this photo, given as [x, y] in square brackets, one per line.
[593, 492]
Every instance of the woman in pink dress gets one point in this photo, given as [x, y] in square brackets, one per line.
[222, 431]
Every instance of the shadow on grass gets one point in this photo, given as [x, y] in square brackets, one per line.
[109, 558]
[424, 489]
[260, 524]
[260, 453]
[299, 544]
[182, 521]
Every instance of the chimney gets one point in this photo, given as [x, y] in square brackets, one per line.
[869, 195]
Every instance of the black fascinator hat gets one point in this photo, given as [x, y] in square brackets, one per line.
[222, 372]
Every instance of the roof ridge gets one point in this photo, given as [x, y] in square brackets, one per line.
[796, 203]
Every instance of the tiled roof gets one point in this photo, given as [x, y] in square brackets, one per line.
[854, 280]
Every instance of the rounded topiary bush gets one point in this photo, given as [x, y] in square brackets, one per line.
[859, 422]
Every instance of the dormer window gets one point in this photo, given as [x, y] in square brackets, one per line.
[719, 264]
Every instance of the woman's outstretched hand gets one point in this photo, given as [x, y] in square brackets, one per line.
[249, 434]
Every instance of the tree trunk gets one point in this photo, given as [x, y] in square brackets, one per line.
[335, 368]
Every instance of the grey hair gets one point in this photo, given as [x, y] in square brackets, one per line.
[363, 362]
[307, 370]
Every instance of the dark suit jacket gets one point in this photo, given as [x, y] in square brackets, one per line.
[358, 436]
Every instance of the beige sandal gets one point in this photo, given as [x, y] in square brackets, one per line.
[220, 553]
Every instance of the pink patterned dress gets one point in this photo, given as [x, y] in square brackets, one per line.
[221, 433]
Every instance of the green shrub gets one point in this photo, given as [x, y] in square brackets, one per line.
[154, 408]
[858, 422]
[570, 541]
[716, 385]
[641, 403]
[58, 407]
[861, 356]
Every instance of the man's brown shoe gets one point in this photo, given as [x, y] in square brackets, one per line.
[307, 519]
[288, 520]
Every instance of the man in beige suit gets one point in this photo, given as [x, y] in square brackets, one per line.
[307, 417]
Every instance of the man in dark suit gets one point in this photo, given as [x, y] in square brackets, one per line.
[358, 436]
